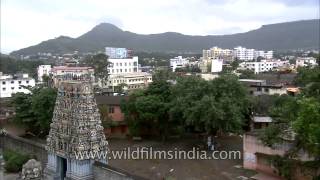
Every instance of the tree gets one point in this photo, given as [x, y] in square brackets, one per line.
[307, 125]
[259, 58]
[150, 108]
[217, 105]
[309, 79]
[246, 74]
[12, 66]
[300, 114]
[226, 105]
[100, 64]
[213, 106]
[234, 64]
[35, 110]
[42, 106]
[46, 80]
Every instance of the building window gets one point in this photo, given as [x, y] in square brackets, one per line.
[3, 82]
[27, 82]
[3, 89]
[19, 87]
[19, 82]
[12, 82]
[12, 88]
[111, 109]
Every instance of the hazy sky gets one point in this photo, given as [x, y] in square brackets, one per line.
[28, 22]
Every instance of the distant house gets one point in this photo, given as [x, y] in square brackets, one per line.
[129, 81]
[260, 157]
[257, 156]
[259, 122]
[43, 70]
[112, 116]
[11, 84]
[260, 87]
[178, 62]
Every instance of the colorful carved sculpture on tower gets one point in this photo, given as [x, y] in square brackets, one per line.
[76, 132]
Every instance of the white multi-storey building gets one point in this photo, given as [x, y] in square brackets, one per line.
[129, 81]
[122, 66]
[43, 70]
[263, 66]
[263, 54]
[244, 54]
[305, 61]
[216, 65]
[13, 84]
[216, 52]
[178, 62]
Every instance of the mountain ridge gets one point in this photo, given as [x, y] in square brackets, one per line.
[302, 34]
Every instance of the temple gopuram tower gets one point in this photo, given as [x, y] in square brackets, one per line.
[75, 129]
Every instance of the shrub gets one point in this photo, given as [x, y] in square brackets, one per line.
[14, 161]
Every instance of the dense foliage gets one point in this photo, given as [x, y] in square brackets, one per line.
[34, 111]
[14, 161]
[12, 66]
[300, 116]
[246, 74]
[189, 69]
[100, 63]
[219, 105]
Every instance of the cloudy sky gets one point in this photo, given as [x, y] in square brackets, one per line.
[28, 22]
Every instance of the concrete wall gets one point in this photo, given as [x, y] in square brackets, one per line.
[24, 146]
[101, 171]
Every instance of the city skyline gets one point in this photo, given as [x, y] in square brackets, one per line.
[28, 23]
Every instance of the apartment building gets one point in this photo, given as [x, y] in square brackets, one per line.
[244, 54]
[305, 61]
[263, 54]
[123, 66]
[263, 65]
[129, 81]
[43, 70]
[10, 84]
[178, 62]
[216, 65]
[216, 52]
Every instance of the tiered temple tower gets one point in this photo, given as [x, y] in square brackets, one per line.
[75, 128]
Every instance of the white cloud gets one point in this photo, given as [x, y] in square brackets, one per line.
[25, 23]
